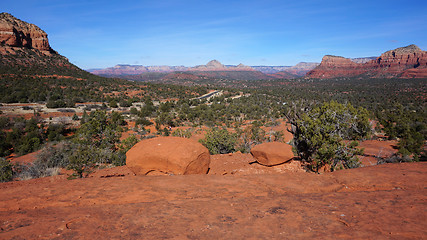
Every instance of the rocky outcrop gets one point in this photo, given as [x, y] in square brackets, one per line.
[24, 49]
[272, 153]
[408, 61]
[334, 66]
[17, 33]
[405, 62]
[168, 155]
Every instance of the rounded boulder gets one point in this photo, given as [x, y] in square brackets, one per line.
[168, 155]
[272, 153]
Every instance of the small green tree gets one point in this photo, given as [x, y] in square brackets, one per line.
[219, 141]
[319, 135]
[95, 142]
[6, 170]
[113, 103]
[75, 117]
[182, 133]
[82, 160]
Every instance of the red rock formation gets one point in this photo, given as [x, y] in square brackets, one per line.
[335, 66]
[170, 155]
[408, 61]
[405, 62]
[17, 33]
[272, 153]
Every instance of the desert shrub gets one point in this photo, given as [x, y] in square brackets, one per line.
[182, 133]
[32, 170]
[125, 103]
[143, 121]
[84, 158]
[124, 146]
[117, 119]
[48, 162]
[113, 103]
[133, 111]
[75, 117]
[406, 125]
[6, 170]
[219, 141]
[96, 143]
[395, 158]
[5, 146]
[55, 155]
[55, 104]
[276, 136]
[250, 137]
[319, 135]
[55, 132]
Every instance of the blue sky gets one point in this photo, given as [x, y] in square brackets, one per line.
[98, 34]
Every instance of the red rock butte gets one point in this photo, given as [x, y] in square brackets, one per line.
[405, 62]
[17, 33]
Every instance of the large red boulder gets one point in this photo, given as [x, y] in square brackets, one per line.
[272, 153]
[169, 155]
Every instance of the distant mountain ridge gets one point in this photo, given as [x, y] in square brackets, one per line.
[212, 69]
[404, 62]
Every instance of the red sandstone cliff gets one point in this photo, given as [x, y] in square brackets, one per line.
[25, 49]
[405, 62]
[17, 33]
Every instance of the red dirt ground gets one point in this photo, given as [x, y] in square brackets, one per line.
[27, 158]
[380, 202]
[374, 149]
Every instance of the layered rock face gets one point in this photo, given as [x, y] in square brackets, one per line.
[335, 66]
[405, 62]
[17, 33]
[408, 61]
[25, 49]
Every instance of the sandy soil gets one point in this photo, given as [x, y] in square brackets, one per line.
[379, 202]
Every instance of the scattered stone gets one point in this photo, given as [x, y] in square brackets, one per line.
[272, 153]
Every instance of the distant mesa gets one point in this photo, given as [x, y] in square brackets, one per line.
[404, 62]
[213, 69]
[214, 64]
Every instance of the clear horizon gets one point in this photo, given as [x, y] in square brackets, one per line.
[100, 34]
